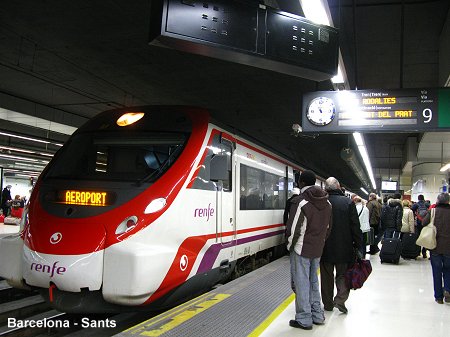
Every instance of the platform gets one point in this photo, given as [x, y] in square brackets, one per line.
[397, 300]
[8, 229]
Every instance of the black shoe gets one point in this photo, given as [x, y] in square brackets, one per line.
[447, 296]
[293, 323]
[319, 323]
[342, 308]
[439, 301]
[328, 308]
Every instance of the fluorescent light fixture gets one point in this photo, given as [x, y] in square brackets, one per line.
[26, 151]
[315, 11]
[7, 156]
[339, 78]
[29, 138]
[35, 122]
[365, 156]
[445, 167]
[364, 190]
[358, 139]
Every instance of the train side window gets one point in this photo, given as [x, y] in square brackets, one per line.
[261, 190]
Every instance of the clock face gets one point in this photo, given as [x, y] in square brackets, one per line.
[321, 111]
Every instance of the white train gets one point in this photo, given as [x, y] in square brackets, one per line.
[146, 208]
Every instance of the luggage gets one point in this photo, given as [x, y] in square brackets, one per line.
[391, 249]
[369, 237]
[409, 248]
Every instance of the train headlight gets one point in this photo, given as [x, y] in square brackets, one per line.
[155, 205]
[129, 118]
[127, 225]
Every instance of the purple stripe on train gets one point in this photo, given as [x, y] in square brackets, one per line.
[213, 251]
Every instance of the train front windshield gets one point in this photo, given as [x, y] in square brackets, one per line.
[139, 157]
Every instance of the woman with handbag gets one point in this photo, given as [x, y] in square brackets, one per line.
[440, 256]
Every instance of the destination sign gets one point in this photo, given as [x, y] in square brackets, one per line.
[86, 198]
[404, 110]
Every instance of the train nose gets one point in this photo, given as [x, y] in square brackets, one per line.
[66, 259]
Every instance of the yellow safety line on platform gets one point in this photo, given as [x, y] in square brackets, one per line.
[263, 326]
[175, 317]
[141, 326]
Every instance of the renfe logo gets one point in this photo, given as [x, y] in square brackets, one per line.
[204, 212]
[45, 268]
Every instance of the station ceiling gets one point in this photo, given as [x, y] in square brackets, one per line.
[65, 61]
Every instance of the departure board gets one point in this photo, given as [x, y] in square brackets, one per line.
[404, 110]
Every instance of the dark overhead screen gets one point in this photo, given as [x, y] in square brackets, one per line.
[383, 110]
[248, 33]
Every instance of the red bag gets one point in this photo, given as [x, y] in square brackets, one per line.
[357, 274]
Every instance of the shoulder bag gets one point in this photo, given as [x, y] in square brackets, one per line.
[427, 237]
[357, 273]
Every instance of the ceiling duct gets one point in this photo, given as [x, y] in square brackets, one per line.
[351, 159]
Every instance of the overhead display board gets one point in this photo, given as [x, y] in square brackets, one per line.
[247, 32]
[384, 110]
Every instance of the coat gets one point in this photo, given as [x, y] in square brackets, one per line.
[442, 223]
[392, 215]
[309, 222]
[346, 235]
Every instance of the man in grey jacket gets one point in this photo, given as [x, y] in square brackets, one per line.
[307, 228]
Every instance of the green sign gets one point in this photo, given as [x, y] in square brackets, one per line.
[384, 110]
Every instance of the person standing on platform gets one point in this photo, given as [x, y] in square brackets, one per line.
[374, 207]
[408, 218]
[307, 228]
[363, 216]
[420, 209]
[340, 248]
[295, 192]
[440, 256]
[391, 216]
[6, 200]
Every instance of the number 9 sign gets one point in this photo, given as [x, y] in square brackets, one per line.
[427, 115]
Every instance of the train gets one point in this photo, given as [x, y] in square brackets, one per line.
[145, 207]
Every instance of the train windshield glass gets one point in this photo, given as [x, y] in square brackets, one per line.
[141, 157]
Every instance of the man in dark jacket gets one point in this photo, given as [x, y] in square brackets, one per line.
[6, 200]
[391, 216]
[374, 219]
[308, 225]
[440, 256]
[339, 251]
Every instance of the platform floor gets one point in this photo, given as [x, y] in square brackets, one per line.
[8, 229]
[397, 300]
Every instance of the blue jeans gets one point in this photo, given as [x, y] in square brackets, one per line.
[307, 293]
[440, 264]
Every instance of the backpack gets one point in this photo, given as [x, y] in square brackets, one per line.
[421, 211]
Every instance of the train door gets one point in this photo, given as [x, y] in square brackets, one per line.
[222, 168]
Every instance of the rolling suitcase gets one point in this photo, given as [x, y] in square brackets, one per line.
[391, 249]
[409, 248]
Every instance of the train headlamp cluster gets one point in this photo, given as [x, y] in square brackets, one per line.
[129, 118]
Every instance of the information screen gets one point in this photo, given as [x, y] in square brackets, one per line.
[408, 110]
[387, 185]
